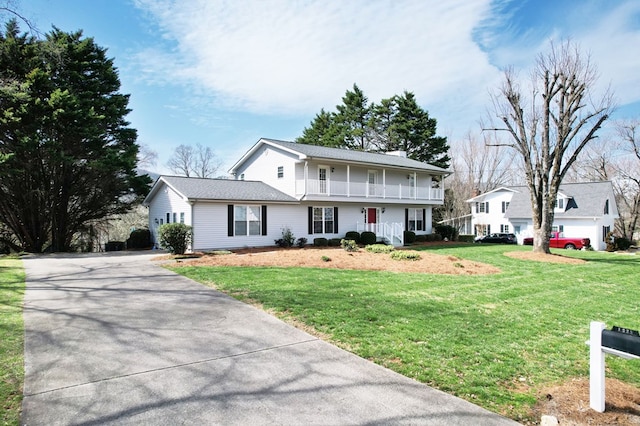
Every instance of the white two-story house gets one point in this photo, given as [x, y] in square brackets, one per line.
[313, 191]
[581, 210]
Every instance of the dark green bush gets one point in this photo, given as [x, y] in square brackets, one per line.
[334, 242]
[447, 231]
[320, 242]
[421, 238]
[436, 237]
[409, 237]
[287, 239]
[367, 238]
[301, 242]
[466, 238]
[139, 239]
[114, 246]
[175, 237]
[622, 243]
[353, 235]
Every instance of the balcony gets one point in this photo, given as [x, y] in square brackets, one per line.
[333, 188]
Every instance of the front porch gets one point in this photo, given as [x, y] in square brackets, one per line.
[388, 233]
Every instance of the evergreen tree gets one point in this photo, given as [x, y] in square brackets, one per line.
[70, 157]
[396, 124]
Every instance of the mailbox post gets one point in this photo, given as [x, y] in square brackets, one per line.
[618, 341]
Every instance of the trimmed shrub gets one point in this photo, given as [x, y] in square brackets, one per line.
[436, 237]
[367, 238]
[466, 238]
[114, 246]
[409, 237]
[334, 242]
[379, 248]
[421, 238]
[139, 239]
[175, 237]
[301, 242]
[320, 242]
[622, 243]
[353, 235]
[405, 255]
[447, 231]
[349, 245]
[326, 259]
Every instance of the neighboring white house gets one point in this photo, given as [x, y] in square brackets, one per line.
[581, 210]
[314, 191]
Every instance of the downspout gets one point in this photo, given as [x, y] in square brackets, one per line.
[306, 178]
[192, 203]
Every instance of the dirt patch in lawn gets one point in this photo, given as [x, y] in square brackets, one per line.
[569, 403]
[337, 258]
[542, 257]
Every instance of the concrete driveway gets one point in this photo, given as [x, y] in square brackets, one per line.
[115, 339]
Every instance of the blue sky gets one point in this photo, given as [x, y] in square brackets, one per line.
[225, 73]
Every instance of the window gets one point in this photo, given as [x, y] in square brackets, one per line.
[412, 185]
[505, 206]
[181, 217]
[606, 207]
[415, 219]
[605, 232]
[504, 229]
[323, 220]
[372, 181]
[247, 220]
[280, 172]
[323, 180]
[242, 176]
[559, 204]
[482, 207]
[557, 228]
[168, 217]
[175, 217]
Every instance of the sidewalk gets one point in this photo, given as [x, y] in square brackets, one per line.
[114, 339]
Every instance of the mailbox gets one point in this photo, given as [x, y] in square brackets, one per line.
[622, 339]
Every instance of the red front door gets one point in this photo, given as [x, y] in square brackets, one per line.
[371, 216]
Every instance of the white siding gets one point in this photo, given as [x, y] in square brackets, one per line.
[166, 201]
[210, 223]
[263, 166]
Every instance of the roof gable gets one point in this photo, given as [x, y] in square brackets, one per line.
[586, 200]
[194, 189]
[308, 152]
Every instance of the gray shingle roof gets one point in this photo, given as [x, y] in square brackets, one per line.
[324, 152]
[589, 198]
[225, 189]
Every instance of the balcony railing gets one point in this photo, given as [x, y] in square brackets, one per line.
[317, 187]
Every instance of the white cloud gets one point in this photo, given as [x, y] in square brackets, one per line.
[282, 57]
[297, 57]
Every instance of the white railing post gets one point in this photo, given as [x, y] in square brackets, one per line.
[596, 367]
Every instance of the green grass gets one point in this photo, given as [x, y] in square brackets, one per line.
[493, 340]
[11, 339]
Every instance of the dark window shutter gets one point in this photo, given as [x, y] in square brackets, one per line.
[335, 220]
[486, 210]
[230, 220]
[310, 220]
[424, 220]
[264, 220]
[406, 219]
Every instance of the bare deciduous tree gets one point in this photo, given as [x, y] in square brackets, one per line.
[477, 167]
[189, 161]
[146, 156]
[550, 125]
[628, 184]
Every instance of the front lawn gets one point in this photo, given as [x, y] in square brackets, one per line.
[495, 340]
[11, 339]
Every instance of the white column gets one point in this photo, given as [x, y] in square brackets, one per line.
[596, 367]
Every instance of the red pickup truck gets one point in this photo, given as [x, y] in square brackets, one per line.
[556, 241]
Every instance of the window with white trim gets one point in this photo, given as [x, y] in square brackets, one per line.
[416, 220]
[505, 206]
[323, 220]
[181, 217]
[504, 229]
[247, 220]
[280, 172]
